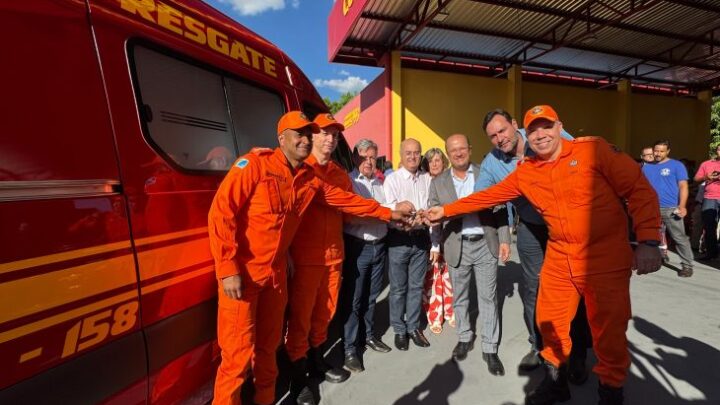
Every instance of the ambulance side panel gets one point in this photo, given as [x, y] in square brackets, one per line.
[70, 329]
[190, 90]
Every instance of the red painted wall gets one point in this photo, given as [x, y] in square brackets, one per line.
[373, 121]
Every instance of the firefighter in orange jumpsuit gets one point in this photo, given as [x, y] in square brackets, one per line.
[317, 255]
[253, 218]
[577, 186]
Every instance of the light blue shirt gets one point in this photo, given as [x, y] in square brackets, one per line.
[497, 165]
[463, 188]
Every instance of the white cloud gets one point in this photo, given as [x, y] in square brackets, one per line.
[348, 84]
[254, 7]
[344, 73]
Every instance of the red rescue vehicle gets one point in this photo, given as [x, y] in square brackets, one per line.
[119, 119]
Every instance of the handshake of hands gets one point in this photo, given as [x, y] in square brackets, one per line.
[407, 217]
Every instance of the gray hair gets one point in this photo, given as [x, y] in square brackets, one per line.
[365, 144]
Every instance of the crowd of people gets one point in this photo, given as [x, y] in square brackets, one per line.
[297, 241]
[687, 205]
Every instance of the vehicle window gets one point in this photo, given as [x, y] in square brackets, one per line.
[255, 113]
[185, 111]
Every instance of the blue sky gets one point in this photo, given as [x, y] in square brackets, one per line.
[299, 28]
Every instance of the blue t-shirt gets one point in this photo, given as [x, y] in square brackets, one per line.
[664, 178]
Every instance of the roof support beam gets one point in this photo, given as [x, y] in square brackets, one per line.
[420, 16]
[694, 4]
[657, 58]
[572, 18]
[521, 5]
[500, 60]
[682, 61]
[593, 31]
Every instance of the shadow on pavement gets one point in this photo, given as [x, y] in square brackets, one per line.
[663, 369]
[443, 380]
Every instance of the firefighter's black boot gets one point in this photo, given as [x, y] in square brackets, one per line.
[299, 383]
[552, 389]
[319, 368]
[610, 395]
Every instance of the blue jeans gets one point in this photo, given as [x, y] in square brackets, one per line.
[710, 210]
[408, 255]
[362, 282]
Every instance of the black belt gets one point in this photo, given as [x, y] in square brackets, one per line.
[412, 233]
[472, 238]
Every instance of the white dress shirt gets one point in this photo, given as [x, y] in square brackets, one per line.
[401, 185]
[463, 188]
[368, 229]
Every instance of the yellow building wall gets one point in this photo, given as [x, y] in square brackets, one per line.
[438, 104]
[582, 111]
[671, 118]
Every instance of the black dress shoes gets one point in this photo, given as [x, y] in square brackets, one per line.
[352, 363]
[419, 339]
[461, 350]
[305, 397]
[530, 361]
[401, 341]
[377, 345]
[495, 366]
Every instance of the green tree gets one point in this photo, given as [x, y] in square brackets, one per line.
[715, 124]
[338, 104]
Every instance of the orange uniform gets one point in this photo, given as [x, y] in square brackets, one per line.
[252, 220]
[317, 255]
[588, 254]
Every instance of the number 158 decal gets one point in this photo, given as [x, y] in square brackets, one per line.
[95, 328]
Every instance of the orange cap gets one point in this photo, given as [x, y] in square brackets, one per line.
[327, 120]
[296, 120]
[539, 111]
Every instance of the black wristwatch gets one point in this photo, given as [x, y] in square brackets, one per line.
[653, 243]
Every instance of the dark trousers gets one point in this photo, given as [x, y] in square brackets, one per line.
[408, 255]
[362, 283]
[710, 210]
[531, 243]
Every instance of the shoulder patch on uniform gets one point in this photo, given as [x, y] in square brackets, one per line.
[242, 163]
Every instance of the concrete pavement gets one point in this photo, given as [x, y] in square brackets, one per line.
[674, 344]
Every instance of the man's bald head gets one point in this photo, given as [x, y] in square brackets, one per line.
[410, 152]
[458, 150]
